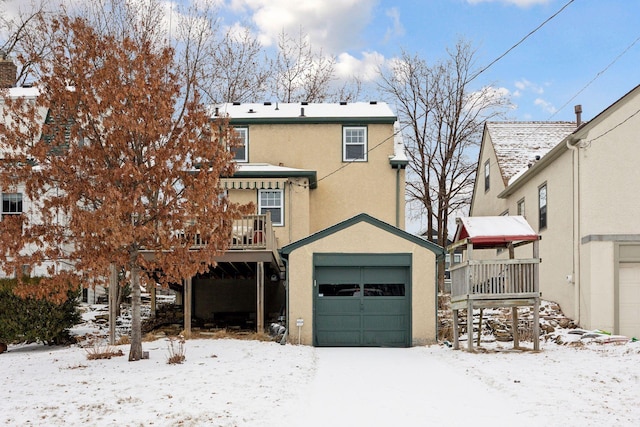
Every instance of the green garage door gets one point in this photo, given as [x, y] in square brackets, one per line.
[362, 306]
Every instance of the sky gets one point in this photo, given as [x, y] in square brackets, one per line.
[585, 55]
[588, 54]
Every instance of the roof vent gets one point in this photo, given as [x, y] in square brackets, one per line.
[304, 103]
[343, 102]
[301, 112]
[578, 111]
[267, 102]
[217, 112]
[236, 103]
[373, 102]
[251, 111]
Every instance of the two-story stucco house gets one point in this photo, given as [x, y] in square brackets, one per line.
[326, 248]
[574, 186]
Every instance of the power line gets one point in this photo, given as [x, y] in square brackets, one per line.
[520, 42]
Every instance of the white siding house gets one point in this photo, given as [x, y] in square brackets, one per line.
[575, 187]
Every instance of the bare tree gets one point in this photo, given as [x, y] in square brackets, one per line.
[442, 118]
[300, 74]
[18, 34]
[239, 69]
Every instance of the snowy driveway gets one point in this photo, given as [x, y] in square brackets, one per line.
[394, 387]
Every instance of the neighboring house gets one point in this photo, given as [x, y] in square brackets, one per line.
[331, 179]
[575, 195]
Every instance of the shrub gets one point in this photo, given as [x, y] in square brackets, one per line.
[36, 320]
[176, 350]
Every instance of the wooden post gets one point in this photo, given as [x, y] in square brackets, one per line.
[153, 300]
[260, 297]
[456, 345]
[469, 325]
[113, 296]
[186, 305]
[516, 336]
[480, 327]
[536, 325]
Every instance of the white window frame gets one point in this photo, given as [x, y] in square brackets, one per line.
[346, 143]
[271, 205]
[543, 210]
[487, 181]
[243, 135]
[18, 199]
[521, 208]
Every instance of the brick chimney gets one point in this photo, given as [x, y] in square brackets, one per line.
[8, 71]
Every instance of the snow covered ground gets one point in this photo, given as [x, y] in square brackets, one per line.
[228, 382]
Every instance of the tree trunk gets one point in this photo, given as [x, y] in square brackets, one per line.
[135, 352]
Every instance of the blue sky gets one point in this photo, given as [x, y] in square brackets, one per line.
[541, 74]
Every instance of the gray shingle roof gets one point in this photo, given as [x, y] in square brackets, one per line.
[518, 143]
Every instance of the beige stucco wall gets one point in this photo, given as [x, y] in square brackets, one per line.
[363, 238]
[344, 189]
[487, 203]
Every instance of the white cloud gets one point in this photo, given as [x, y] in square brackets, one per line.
[545, 106]
[332, 25]
[519, 3]
[366, 68]
[396, 28]
[525, 85]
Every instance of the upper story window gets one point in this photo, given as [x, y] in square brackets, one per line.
[542, 207]
[272, 201]
[241, 151]
[521, 207]
[354, 144]
[11, 203]
[486, 176]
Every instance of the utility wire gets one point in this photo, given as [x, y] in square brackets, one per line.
[520, 42]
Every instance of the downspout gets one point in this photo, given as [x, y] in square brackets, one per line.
[283, 341]
[572, 144]
[398, 197]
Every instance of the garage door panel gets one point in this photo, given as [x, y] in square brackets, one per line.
[373, 310]
[629, 295]
[384, 339]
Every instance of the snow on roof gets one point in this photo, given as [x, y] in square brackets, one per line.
[518, 143]
[264, 167]
[283, 110]
[21, 92]
[494, 230]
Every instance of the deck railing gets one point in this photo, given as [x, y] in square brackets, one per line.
[253, 232]
[494, 278]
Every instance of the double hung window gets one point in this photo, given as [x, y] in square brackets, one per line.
[354, 144]
[272, 201]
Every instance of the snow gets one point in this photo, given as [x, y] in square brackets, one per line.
[229, 382]
[507, 226]
[518, 143]
[284, 110]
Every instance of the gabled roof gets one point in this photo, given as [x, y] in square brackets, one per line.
[305, 112]
[494, 231]
[286, 250]
[518, 143]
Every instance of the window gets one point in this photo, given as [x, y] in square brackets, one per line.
[11, 203]
[542, 207]
[486, 176]
[271, 201]
[521, 207]
[241, 151]
[354, 143]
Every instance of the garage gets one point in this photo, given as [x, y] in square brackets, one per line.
[629, 306]
[361, 283]
[367, 304]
